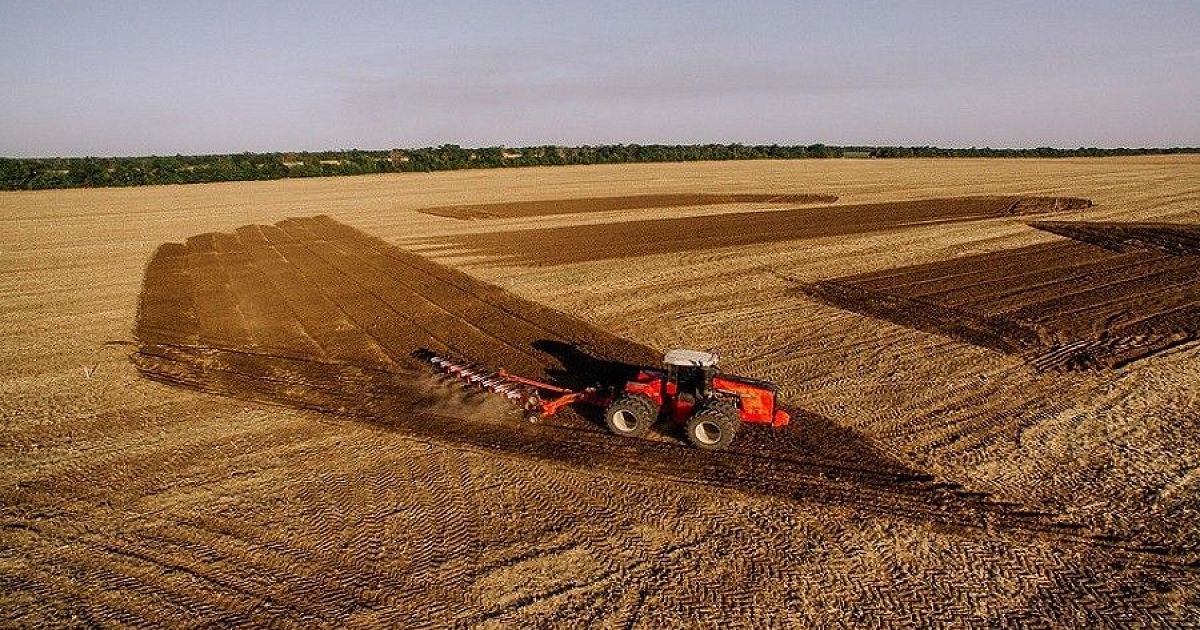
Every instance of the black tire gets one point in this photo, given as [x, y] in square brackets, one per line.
[714, 426]
[631, 415]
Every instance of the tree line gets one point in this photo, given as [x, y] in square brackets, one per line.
[84, 172]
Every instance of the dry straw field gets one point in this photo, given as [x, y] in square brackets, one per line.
[213, 414]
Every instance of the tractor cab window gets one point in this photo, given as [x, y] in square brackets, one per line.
[692, 380]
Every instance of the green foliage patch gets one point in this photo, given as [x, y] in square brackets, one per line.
[86, 172]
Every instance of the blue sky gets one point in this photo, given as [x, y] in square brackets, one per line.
[127, 78]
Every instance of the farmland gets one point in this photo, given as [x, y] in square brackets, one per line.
[544, 207]
[561, 245]
[1069, 304]
[212, 406]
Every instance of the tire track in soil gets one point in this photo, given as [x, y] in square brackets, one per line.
[1122, 294]
[371, 283]
[227, 572]
[573, 244]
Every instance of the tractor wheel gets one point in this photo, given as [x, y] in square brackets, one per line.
[631, 415]
[714, 426]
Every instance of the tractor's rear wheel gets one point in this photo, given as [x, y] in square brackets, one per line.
[631, 415]
[714, 426]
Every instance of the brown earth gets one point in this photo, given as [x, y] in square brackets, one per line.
[314, 313]
[1065, 305]
[317, 290]
[318, 315]
[559, 245]
[511, 209]
[1181, 240]
[127, 502]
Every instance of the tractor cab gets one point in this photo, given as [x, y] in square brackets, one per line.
[689, 373]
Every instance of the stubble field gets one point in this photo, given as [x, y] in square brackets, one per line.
[213, 413]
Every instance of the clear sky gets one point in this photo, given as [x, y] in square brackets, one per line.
[127, 78]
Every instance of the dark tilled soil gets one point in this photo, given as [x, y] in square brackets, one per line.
[561, 245]
[1181, 240]
[510, 209]
[1067, 304]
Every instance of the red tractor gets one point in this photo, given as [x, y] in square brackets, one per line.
[711, 405]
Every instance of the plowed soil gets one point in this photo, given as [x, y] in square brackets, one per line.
[559, 245]
[1180, 240]
[1067, 305]
[317, 290]
[511, 209]
[272, 456]
[315, 314]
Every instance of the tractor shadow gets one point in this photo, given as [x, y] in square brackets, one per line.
[809, 438]
[581, 369]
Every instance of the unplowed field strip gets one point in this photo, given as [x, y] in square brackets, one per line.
[571, 244]
[389, 303]
[1067, 305]
[512, 209]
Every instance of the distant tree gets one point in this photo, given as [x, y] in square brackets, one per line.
[38, 173]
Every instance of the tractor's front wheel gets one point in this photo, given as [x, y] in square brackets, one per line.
[631, 415]
[714, 426]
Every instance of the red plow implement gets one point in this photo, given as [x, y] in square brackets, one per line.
[536, 399]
